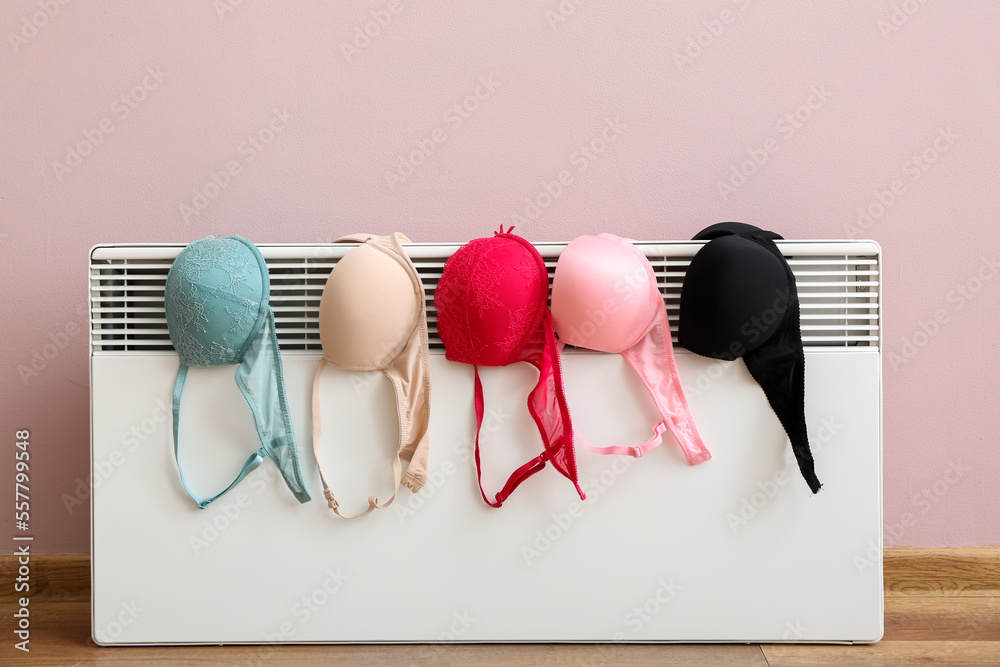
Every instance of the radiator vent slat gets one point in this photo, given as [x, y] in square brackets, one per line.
[838, 283]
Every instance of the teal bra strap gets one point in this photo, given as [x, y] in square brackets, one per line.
[261, 379]
[252, 463]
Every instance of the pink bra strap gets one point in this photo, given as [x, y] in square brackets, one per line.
[637, 451]
[653, 359]
[519, 475]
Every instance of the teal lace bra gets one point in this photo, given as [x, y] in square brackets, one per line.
[216, 300]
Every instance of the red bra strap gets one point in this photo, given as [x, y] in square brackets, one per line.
[547, 402]
[519, 475]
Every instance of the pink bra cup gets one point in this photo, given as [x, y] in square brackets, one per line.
[605, 298]
[492, 311]
[372, 317]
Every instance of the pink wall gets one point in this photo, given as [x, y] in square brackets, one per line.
[887, 86]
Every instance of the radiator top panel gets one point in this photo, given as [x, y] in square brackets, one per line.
[838, 284]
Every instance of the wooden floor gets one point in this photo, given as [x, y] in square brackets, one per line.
[942, 607]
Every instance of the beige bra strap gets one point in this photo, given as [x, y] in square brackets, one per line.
[409, 373]
[362, 238]
[413, 408]
[331, 502]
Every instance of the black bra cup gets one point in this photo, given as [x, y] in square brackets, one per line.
[739, 299]
[732, 292]
[731, 229]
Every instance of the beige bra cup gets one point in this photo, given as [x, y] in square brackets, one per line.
[372, 318]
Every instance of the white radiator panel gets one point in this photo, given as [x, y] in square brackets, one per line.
[654, 553]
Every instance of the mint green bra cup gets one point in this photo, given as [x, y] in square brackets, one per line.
[217, 315]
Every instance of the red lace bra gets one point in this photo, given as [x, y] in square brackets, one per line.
[492, 311]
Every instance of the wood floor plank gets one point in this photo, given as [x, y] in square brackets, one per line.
[885, 654]
[971, 571]
[61, 636]
[942, 618]
[53, 577]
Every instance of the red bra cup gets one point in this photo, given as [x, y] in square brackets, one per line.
[492, 311]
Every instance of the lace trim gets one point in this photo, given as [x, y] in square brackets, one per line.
[192, 305]
[518, 324]
[472, 278]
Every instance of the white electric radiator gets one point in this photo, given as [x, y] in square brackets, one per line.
[734, 550]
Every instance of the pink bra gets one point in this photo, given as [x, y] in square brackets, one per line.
[605, 298]
[492, 307]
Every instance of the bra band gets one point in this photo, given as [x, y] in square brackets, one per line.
[547, 405]
[409, 372]
[261, 381]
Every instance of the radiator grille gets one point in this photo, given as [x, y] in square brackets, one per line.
[838, 285]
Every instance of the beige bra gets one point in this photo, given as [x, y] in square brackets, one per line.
[372, 317]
